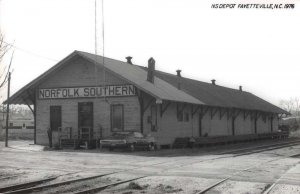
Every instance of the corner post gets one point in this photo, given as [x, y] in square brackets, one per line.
[7, 111]
[141, 101]
[34, 117]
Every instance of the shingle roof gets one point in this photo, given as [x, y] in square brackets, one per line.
[137, 76]
[164, 87]
[161, 89]
[214, 95]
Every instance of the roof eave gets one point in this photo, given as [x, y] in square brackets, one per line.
[31, 85]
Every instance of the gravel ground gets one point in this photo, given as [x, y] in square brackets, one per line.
[283, 188]
[232, 187]
[163, 184]
[167, 171]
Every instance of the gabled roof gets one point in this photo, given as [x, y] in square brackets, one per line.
[26, 94]
[164, 87]
[160, 89]
[133, 74]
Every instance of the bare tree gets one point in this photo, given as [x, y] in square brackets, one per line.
[292, 105]
[4, 69]
[4, 48]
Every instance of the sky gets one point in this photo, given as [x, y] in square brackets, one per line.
[256, 48]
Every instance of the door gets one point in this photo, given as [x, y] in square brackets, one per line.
[55, 118]
[85, 120]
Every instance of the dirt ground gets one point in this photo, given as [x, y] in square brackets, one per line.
[165, 171]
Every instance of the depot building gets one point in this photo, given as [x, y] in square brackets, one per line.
[85, 94]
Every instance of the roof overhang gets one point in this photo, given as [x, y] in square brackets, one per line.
[27, 94]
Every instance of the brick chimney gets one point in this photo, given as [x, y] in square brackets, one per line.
[178, 72]
[151, 70]
[129, 59]
[213, 81]
[241, 88]
[179, 80]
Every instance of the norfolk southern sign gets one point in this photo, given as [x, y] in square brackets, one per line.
[87, 92]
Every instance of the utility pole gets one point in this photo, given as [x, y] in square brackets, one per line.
[7, 111]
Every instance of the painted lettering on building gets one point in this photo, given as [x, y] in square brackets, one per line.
[87, 92]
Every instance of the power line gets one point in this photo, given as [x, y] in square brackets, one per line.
[30, 52]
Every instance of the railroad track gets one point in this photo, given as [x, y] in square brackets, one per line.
[28, 188]
[100, 188]
[268, 189]
[25, 185]
[33, 186]
[252, 149]
[264, 148]
[219, 182]
[31, 183]
[267, 149]
[94, 190]
[240, 154]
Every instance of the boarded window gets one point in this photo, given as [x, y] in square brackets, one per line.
[117, 117]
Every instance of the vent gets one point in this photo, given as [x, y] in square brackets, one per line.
[178, 72]
[213, 81]
[129, 59]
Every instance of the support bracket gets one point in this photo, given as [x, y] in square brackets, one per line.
[164, 108]
[180, 110]
[28, 106]
[237, 112]
[246, 114]
[230, 112]
[213, 112]
[194, 111]
[222, 113]
[148, 104]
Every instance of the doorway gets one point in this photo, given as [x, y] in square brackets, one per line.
[85, 120]
[55, 118]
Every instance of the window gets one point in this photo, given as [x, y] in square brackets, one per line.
[183, 116]
[11, 124]
[180, 116]
[153, 118]
[186, 117]
[117, 117]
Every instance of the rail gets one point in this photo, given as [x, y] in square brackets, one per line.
[16, 188]
[266, 191]
[217, 140]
